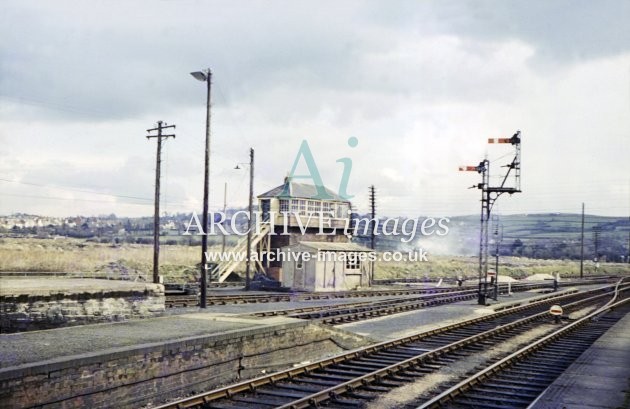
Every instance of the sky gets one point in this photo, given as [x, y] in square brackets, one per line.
[420, 84]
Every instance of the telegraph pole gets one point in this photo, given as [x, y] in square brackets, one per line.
[249, 222]
[373, 214]
[497, 239]
[596, 236]
[156, 216]
[372, 234]
[582, 246]
[224, 209]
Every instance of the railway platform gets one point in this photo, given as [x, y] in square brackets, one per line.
[29, 303]
[598, 379]
[36, 347]
[139, 361]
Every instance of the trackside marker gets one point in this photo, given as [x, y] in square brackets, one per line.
[556, 312]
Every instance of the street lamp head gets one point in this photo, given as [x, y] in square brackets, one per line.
[199, 76]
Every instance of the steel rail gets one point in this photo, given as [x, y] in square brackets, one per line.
[309, 312]
[276, 297]
[393, 304]
[410, 280]
[368, 312]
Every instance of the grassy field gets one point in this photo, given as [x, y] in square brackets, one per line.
[133, 260]
[467, 268]
[75, 255]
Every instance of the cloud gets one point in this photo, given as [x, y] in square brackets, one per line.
[561, 31]
[421, 85]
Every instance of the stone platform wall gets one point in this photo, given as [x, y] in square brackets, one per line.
[25, 308]
[150, 374]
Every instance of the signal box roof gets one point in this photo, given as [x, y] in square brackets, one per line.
[294, 190]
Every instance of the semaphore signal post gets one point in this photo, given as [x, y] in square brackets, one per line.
[489, 195]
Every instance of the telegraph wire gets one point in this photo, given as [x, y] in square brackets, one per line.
[69, 198]
[75, 190]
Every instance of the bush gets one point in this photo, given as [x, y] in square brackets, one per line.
[144, 240]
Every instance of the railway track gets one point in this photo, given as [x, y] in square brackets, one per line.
[178, 301]
[330, 314]
[223, 299]
[340, 314]
[189, 301]
[517, 380]
[356, 377]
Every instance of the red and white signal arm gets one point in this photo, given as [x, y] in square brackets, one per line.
[492, 273]
[555, 310]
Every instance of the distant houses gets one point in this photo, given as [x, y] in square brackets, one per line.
[105, 227]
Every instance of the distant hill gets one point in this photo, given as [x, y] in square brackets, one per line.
[544, 235]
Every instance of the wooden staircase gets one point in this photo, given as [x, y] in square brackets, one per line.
[222, 270]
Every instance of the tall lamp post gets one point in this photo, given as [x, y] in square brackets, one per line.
[249, 222]
[205, 76]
